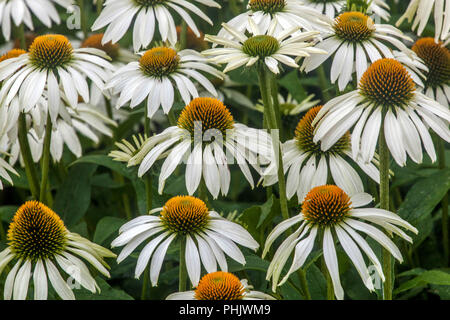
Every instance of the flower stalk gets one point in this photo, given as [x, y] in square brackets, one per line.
[271, 119]
[30, 170]
[83, 20]
[45, 161]
[183, 35]
[182, 271]
[266, 82]
[384, 204]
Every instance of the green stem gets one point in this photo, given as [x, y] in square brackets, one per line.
[148, 178]
[99, 6]
[125, 198]
[203, 192]
[271, 118]
[145, 283]
[444, 202]
[183, 35]
[276, 104]
[384, 204]
[30, 169]
[172, 118]
[182, 272]
[234, 7]
[326, 273]
[45, 161]
[21, 37]
[83, 20]
[149, 191]
[323, 83]
[304, 284]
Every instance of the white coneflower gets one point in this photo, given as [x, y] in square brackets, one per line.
[127, 150]
[221, 285]
[437, 58]
[290, 14]
[40, 243]
[386, 93]
[355, 41]
[290, 106]
[118, 15]
[208, 236]
[8, 117]
[421, 11]
[329, 212]
[51, 63]
[331, 8]
[205, 128]
[309, 166]
[82, 120]
[269, 47]
[414, 65]
[22, 11]
[158, 74]
[99, 99]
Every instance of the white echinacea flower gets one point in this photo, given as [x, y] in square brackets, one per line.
[269, 47]
[386, 94]
[22, 11]
[221, 285]
[118, 15]
[437, 78]
[208, 139]
[328, 212]
[355, 40]
[290, 14]
[207, 235]
[331, 8]
[50, 64]
[309, 166]
[40, 243]
[158, 75]
[421, 10]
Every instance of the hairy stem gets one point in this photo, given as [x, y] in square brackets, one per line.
[182, 272]
[183, 35]
[45, 160]
[384, 204]
[271, 120]
[30, 169]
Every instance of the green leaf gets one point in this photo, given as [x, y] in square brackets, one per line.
[107, 292]
[104, 160]
[253, 262]
[317, 283]
[74, 195]
[421, 200]
[292, 83]
[434, 277]
[122, 169]
[7, 213]
[107, 227]
[266, 209]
